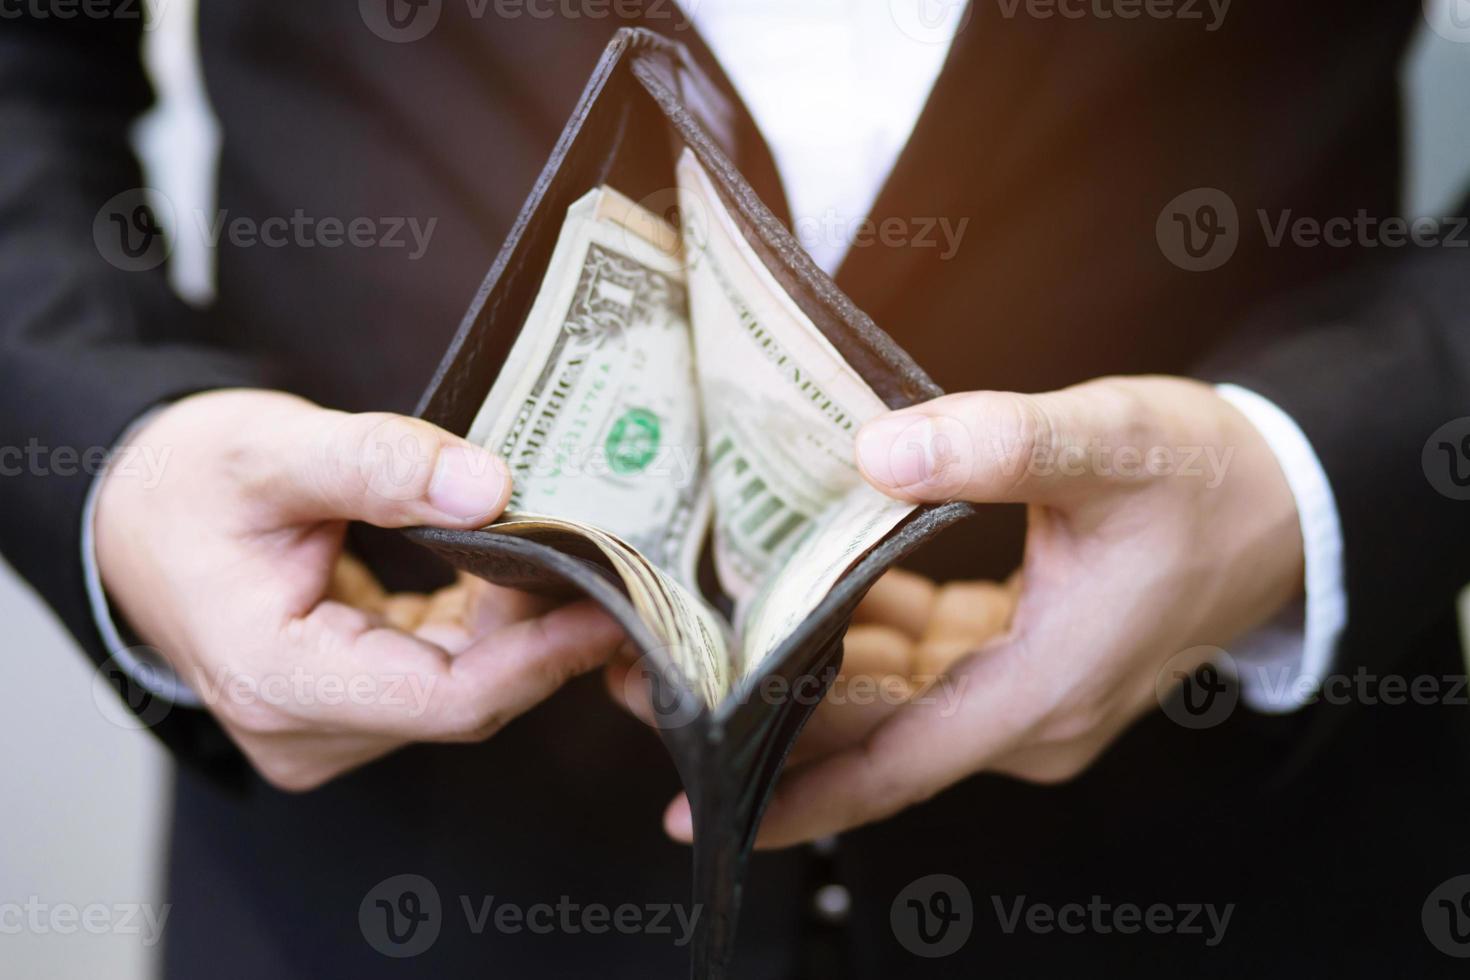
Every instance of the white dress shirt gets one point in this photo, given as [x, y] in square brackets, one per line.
[836, 87]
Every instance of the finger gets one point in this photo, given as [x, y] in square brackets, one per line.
[493, 607]
[976, 610]
[477, 607]
[383, 469]
[998, 447]
[354, 584]
[405, 610]
[297, 763]
[679, 820]
[851, 711]
[504, 674]
[877, 666]
[401, 686]
[458, 614]
[899, 599]
[876, 651]
[925, 746]
[966, 616]
[453, 603]
[628, 685]
[1051, 764]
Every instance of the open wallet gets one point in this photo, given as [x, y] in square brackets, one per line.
[676, 388]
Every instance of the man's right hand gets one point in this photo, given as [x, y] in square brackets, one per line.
[224, 565]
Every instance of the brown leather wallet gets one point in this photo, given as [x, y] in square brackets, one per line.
[645, 101]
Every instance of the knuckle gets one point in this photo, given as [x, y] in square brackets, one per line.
[1072, 717]
[1023, 435]
[561, 670]
[891, 788]
[472, 721]
[247, 465]
[1127, 411]
[254, 717]
[1053, 770]
[1056, 710]
[286, 769]
[388, 456]
[293, 778]
[480, 727]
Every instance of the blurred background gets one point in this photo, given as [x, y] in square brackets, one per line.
[85, 798]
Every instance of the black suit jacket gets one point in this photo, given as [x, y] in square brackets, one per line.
[1060, 141]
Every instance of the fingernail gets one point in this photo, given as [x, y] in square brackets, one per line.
[468, 483]
[895, 450]
[678, 822]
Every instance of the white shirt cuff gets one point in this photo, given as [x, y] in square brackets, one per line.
[143, 665]
[1282, 664]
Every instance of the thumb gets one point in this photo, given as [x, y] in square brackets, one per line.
[388, 470]
[992, 446]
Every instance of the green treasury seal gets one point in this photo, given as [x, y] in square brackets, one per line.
[633, 441]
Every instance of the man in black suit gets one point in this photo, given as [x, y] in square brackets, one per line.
[1325, 831]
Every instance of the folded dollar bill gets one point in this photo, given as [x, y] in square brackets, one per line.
[665, 393]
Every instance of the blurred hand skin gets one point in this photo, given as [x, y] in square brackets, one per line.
[231, 566]
[1128, 565]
